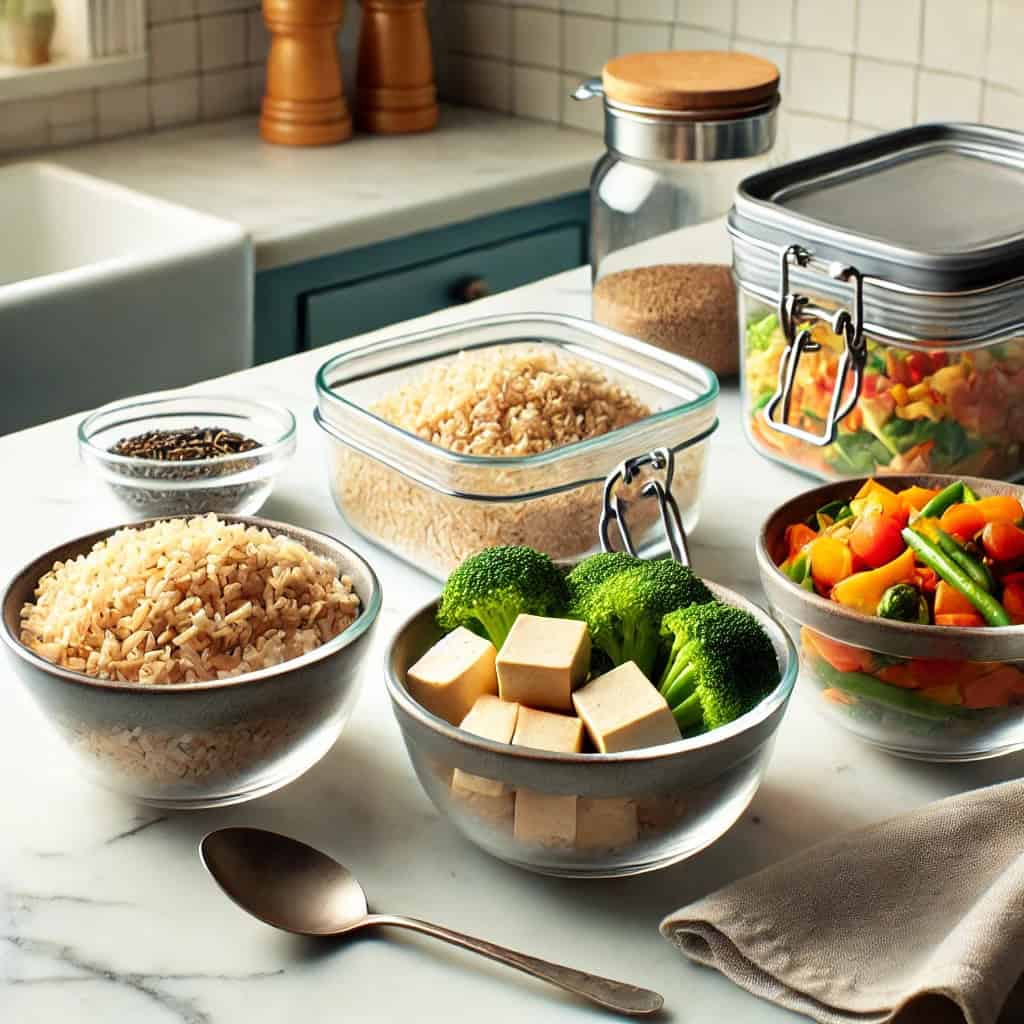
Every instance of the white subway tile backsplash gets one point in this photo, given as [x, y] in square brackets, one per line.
[716, 14]
[883, 93]
[158, 11]
[809, 134]
[481, 29]
[642, 37]
[174, 102]
[222, 41]
[684, 37]
[768, 20]
[482, 82]
[537, 37]
[1003, 108]
[257, 38]
[123, 110]
[1005, 65]
[819, 82]
[604, 8]
[954, 35]
[829, 25]
[890, 29]
[587, 43]
[173, 49]
[223, 93]
[943, 97]
[651, 10]
[536, 93]
[586, 115]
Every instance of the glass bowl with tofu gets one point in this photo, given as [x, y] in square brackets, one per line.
[569, 766]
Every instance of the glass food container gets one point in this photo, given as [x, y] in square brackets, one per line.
[881, 304]
[931, 693]
[433, 507]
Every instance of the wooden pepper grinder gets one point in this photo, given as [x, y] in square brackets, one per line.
[304, 103]
[395, 90]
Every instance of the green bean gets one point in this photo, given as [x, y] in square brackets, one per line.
[934, 557]
[974, 568]
[950, 495]
[969, 495]
[874, 689]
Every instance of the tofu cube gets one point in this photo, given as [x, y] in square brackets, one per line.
[546, 819]
[547, 731]
[622, 710]
[493, 719]
[605, 823]
[542, 661]
[448, 679]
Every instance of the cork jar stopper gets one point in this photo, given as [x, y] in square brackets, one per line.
[728, 84]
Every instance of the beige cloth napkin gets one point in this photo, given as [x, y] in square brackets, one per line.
[917, 919]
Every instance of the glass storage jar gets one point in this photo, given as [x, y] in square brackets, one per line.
[881, 305]
[433, 506]
[682, 129]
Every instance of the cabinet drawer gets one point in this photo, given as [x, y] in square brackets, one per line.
[373, 302]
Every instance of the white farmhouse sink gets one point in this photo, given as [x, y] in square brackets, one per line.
[105, 292]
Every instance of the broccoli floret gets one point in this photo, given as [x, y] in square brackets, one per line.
[491, 589]
[721, 665]
[595, 570]
[903, 602]
[624, 612]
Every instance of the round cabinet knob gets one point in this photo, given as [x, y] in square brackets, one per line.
[471, 289]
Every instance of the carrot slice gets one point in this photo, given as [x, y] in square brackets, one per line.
[949, 601]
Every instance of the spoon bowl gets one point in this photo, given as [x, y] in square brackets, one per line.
[291, 886]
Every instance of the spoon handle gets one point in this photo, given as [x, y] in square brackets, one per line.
[615, 995]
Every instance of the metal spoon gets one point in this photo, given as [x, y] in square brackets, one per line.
[291, 886]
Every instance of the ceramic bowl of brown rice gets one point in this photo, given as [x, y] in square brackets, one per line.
[193, 662]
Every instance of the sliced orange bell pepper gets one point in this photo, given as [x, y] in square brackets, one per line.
[842, 657]
[863, 590]
[797, 536]
[959, 619]
[926, 578]
[913, 499]
[831, 561]
[875, 495]
[949, 601]
[899, 675]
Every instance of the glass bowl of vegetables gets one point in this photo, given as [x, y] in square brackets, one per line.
[604, 721]
[906, 599]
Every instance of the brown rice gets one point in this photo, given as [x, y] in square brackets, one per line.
[187, 600]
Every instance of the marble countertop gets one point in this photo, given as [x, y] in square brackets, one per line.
[298, 204]
[107, 915]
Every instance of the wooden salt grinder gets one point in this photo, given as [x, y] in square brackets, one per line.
[395, 90]
[304, 103]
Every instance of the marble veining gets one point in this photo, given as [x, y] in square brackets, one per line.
[106, 914]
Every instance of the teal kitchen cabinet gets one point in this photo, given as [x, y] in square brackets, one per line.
[309, 304]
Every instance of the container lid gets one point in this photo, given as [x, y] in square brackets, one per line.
[935, 208]
[703, 82]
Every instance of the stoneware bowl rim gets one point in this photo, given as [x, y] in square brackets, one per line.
[343, 554]
[404, 703]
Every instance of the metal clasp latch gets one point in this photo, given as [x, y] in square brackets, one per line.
[613, 507]
[795, 311]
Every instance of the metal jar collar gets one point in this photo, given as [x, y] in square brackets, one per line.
[683, 136]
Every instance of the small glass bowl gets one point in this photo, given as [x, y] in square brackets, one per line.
[916, 691]
[234, 484]
[608, 814]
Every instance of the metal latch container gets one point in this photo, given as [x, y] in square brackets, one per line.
[881, 305]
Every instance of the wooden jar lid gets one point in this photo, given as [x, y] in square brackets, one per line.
[726, 83]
